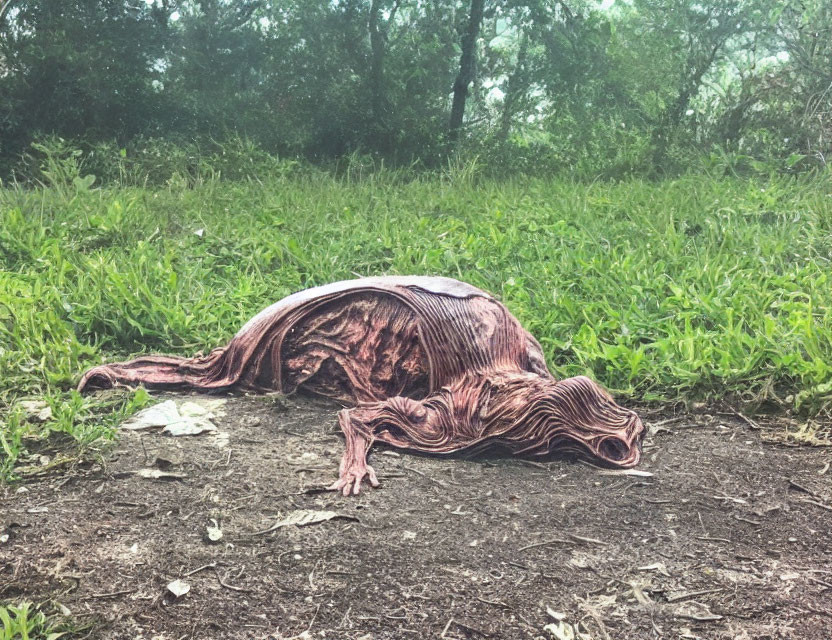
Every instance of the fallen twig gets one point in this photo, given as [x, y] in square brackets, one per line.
[113, 594]
[498, 603]
[472, 629]
[587, 540]
[626, 472]
[710, 539]
[426, 476]
[447, 626]
[691, 594]
[545, 543]
[731, 498]
[531, 463]
[817, 504]
[230, 586]
[708, 617]
[794, 484]
[661, 423]
[746, 420]
[211, 565]
[826, 585]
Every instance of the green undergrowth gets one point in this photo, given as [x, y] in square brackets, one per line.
[692, 288]
[26, 621]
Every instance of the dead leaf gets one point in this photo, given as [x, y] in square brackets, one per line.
[565, 631]
[36, 410]
[561, 631]
[213, 532]
[307, 458]
[557, 615]
[178, 588]
[190, 426]
[626, 472]
[656, 566]
[303, 517]
[159, 415]
[158, 474]
[638, 591]
[207, 407]
[188, 419]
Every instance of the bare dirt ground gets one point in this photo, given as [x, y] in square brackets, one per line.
[728, 538]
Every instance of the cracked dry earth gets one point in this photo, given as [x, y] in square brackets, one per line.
[728, 538]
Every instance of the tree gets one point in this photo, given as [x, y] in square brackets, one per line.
[80, 68]
[467, 62]
[684, 43]
[213, 69]
[379, 29]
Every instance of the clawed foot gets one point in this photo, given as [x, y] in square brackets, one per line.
[351, 477]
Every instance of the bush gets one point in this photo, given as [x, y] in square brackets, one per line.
[71, 165]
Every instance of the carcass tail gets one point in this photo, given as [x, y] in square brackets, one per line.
[211, 372]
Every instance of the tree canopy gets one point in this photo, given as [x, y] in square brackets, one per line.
[644, 86]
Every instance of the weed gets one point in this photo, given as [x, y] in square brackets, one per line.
[25, 622]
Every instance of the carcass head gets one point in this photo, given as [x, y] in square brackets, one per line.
[587, 420]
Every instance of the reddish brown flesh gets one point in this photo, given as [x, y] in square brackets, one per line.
[430, 364]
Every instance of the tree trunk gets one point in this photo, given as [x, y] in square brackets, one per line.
[466, 69]
[671, 119]
[376, 66]
[514, 90]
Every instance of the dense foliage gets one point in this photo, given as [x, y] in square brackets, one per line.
[644, 87]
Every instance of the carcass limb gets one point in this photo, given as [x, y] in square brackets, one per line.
[400, 422]
[354, 467]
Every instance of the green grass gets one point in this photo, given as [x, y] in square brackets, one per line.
[689, 288]
[25, 622]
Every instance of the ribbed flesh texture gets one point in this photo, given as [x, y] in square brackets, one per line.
[430, 365]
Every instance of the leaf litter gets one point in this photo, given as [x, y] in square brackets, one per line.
[187, 418]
